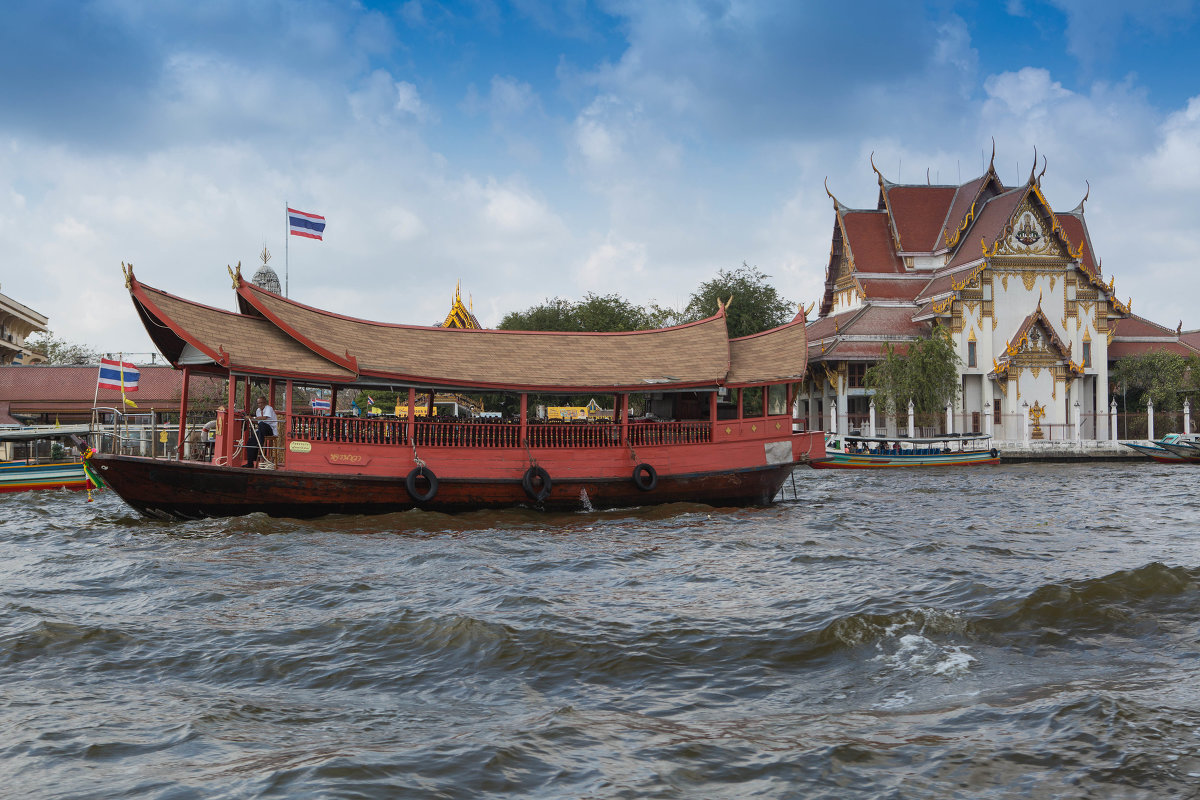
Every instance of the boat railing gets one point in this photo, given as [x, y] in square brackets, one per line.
[462, 433]
[467, 434]
[648, 434]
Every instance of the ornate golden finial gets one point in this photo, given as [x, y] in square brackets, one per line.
[729, 302]
[831, 197]
[992, 163]
[127, 271]
[878, 174]
[807, 311]
[983, 244]
[265, 255]
[1043, 172]
[1033, 169]
[1086, 194]
[236, 275]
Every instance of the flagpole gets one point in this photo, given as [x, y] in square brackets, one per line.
[286, 235]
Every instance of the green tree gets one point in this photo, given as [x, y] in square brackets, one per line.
[756, 304]
[1158, 375]
[556, 314]
[594, 313]
[61, 351]
[927, 375]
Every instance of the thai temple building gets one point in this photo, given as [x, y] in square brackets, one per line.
[17, 323]
[1017, 284]
[461, 316]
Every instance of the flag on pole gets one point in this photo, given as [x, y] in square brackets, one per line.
[370, 400]
[320, 405]
[310, 226]
[118, 375]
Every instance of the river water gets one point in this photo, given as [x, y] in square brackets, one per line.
[1023, 630]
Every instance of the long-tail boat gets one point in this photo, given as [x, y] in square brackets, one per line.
[874, 452]
[715, 427]
[1174, 448]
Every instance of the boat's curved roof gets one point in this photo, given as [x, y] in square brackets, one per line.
[274, 335]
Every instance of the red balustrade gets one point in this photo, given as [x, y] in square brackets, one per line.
[556, 435]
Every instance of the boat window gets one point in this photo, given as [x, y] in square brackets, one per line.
[752, 401]
[777, 399]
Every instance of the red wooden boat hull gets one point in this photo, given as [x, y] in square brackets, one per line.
[194, 490]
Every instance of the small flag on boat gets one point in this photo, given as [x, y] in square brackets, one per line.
[370, 400]
[118, 375]
[320, 405]
[310, 226]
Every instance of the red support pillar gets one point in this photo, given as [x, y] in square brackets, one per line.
[524, 416]
[712, 414]
[410, 428]
[623, 410]
[183, 407]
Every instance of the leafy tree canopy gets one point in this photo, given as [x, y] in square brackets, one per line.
[927, 375]
[60, 351]
[756, 304]
[609, 312]
[1158, 375]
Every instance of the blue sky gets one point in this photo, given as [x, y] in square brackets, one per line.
[533, 149]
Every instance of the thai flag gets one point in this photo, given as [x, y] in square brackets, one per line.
[320, 405]
[117, 375]
[310, 226]
[370, 400]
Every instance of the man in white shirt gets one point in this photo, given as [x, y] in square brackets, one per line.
[266, 424]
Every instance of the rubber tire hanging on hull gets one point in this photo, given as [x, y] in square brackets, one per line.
[410, 483]
[995, 453]
[644, 477]
[527, 483]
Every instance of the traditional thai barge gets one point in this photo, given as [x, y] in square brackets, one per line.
[871, 452]
[715, 423]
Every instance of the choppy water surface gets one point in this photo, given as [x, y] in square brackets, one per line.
[1022, 630]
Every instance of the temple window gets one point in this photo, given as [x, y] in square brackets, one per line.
[971, 356]
[1087, 354]
[856, 373]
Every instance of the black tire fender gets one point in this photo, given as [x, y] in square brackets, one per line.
[995, 453]
[410, 483]
[532, 475]
[644, 477]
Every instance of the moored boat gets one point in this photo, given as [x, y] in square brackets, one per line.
[713, 419]
[46, 463]
[1174, 448]
[872, 452]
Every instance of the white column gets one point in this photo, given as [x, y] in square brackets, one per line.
[1150, 419]
[949, 417]
[1187, 416]
[871, 418]
[1078, 421]
[911, 425]
[987, 418]
[1112, 420]
[1025, 423]
[833, 418]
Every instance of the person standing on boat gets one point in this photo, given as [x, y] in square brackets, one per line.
[266, 424]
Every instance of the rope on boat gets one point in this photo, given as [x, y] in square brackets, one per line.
[416, 458]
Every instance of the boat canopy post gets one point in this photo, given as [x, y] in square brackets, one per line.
[183, 408]
[287, 410]
[740, 393]
[524, 417]
[412, 412]
[712, 413]
[622, 411]
[766, 400]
